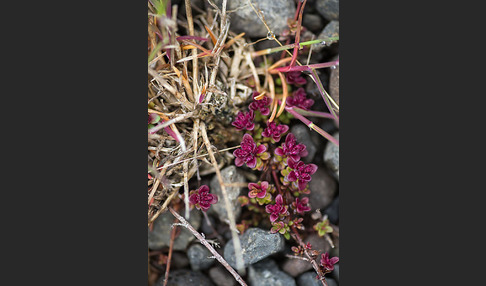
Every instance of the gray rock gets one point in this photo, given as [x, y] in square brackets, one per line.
[303, 135]
[160, 236]
[198, 257]
[230, 174]
[179, 260]
[312, 22]
[266, 273]
[318, 243]
[329, 9]
[332, 211]
[221, 276]
[276, 13]
[256, 244]
[206, 228]
[335, 273]
[185, 277]
[331, 156]
[294, 267]
[322, 189]
[309, 279]
[331, 30]
[331, 282]
[334, 85]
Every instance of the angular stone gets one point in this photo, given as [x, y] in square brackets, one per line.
[256, 244]
[221, 276]
[276, 12]
[198, 257]
[302, 134]
[266, 272]
[185, 277]
[329, 9]
[230, 174]
[331, 30]
[160, 236]
[294, 267]
[322, 189]
[331, 156]
[310, 279]
[332, 211]
[312, 22]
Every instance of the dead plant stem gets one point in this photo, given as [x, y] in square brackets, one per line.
[208, 246]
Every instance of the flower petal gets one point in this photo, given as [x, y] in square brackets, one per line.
[214, 199]
[311, 169]
[273, 217]
[292, 176]
[251, 163]
[239, 162]
[261, 148]
[203, 188]
[302, 185]
[279, 152]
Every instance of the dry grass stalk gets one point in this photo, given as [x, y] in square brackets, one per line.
[204, 242]
[177, 85]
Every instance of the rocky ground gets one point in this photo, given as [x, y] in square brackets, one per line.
[264, 254]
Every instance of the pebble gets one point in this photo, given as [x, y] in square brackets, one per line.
[323, 189]
[160, 236]
[179, 260]
[313, 22]
[185, 277]
[230, 174]
[246, 20]
[331, 156]
[294, 267]
[332, 211]
[329, 9]
[303, 135]
[221, 276]
[335, 273]
[331, 30]
[256, 244]
[198, 257]
[334, 85]
[309, 279]
[266, 272]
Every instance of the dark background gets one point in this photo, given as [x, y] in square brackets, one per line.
[411, 151]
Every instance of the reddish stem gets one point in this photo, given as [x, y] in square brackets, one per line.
[171, 245]
[297, 238]
[297, 34]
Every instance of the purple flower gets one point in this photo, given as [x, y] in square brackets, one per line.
[327, 263]
[258, 190]
[244, 120]
[248, 152]
[301, 206]
[278, 227]
[202, 199]
[299, 99]
[301, 173]
[277, 210]
[275, 132]
[261, 104]
[295, 77]
[291, 149]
